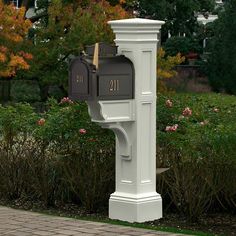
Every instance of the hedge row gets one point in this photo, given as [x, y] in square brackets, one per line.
[60, 157]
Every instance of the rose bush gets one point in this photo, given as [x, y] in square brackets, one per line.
[59, 156]
[55, 156]
[199, 150]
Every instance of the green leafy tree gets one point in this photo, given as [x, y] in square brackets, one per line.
[183, 45]
[166, 68]
[179, 15]
[57, 36]
[222, 60]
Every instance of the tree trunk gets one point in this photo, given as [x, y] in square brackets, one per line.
[25, 4]
[44, 89]
[63, 90]
[5, 90]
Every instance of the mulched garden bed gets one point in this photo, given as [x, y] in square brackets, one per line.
[216, 224]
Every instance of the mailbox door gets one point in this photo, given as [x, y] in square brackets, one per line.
[115, 79]
[115, 87]
[80, 80]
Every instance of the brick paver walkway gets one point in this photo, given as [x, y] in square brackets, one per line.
[24, 223]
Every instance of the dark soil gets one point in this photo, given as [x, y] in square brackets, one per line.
[215, 224]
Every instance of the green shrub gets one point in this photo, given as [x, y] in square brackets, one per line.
[16, 146]
[221, 63]
[90, 174]
[45, 156]
[182, 45]
[16, 122]
[24, 91]
[48, 158]
[85, 160]
[200, 152]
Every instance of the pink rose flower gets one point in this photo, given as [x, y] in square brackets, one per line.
[66, 100]
[187, 112]
[169, 103]
[172, 128]
[82, 131]
[41, 122]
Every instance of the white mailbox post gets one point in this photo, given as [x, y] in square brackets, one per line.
[134, 122]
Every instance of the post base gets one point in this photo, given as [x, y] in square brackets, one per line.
[135, 208]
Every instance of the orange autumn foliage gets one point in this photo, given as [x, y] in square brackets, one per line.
[13, 29]
[19, 62]
[3, 57]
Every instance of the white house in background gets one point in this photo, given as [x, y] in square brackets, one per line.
[30, 5]
[17, 3]
[31, 11]
[204, 19]
[207, 18]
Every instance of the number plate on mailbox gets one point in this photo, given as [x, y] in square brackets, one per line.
[114, 85]
[79, 81]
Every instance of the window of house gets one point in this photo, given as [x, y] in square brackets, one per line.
[16, 3]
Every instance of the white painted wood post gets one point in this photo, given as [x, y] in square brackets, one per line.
[135, 198]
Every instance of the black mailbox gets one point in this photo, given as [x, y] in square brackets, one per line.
[111, 79]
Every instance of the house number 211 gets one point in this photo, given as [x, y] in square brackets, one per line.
[114, 85]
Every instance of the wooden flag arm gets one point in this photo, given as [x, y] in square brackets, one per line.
[95, 56]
